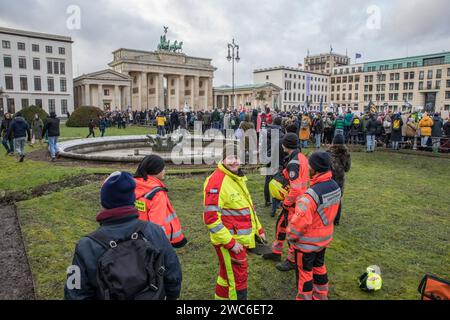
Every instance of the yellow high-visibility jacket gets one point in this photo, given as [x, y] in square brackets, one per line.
[229, 212]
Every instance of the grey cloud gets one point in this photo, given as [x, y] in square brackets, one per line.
[269, 32]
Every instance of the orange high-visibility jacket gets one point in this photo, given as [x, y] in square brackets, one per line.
[229, 212]
[297, 173]
[153, 205]
[312, 225]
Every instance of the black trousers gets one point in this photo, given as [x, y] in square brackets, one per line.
[267, 196]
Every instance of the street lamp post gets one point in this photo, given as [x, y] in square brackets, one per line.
[233, 55]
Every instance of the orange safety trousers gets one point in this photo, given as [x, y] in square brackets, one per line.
[233, 273]
[312, 278]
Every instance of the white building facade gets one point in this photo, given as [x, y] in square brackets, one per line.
[35, 69]
[300, 89]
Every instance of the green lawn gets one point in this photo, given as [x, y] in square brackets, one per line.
[33, 173]
[396, 215]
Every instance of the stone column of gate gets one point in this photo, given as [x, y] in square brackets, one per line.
[139, 78]
[87, 95]
[181, 88]
[127, 91]
[100, 96]
[117, 101]
[160, 91]
[191, 88]
[209, 94]
[143, 91]
[196, 93]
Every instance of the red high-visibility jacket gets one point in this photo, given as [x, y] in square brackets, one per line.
[312, 225]
[153, 205]
[297, 173]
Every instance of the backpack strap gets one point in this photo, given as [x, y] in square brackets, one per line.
[107, 243]
[150, 195]
[102, 239]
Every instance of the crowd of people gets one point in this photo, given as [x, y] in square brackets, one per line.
[385, 129]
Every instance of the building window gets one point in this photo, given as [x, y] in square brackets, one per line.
[446, 107]
[439, 74]
[447, 95]
[51, 84]
[9, 84]
[22, 63]
[21, 46]
[24, 83]
[64, 106]
[62, 50]
[25, 103]
[56, 67]
[63, 85]
[51, 106]
[37, 84]
[6, 44]
[36, 64]
[35, 48]
[420, 85]
[106, 92]
[448, 83]
[7, 61]
[48, 49]
[438, 84]
[62, 68]
[434, 61]
[49, 67]
[11, 105]
[430, 74]
[38, 103]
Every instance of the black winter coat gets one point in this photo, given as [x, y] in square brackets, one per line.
[19, 128]
[371, 126]
[436, 130]
[341, 163]
[52, 127]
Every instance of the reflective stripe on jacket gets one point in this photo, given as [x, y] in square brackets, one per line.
[229, 213]
[153, 205]
[311, 227]
[297, 173]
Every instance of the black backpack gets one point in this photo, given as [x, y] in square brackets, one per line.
[130, 268]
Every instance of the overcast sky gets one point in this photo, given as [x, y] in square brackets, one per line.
[270, 33]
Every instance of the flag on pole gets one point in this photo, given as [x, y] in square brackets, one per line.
[321, 104]
[308, 85]
[358, 56]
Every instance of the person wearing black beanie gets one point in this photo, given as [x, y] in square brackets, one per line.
[311, 230]
[153, 202]
[119, 220]
[296, 172]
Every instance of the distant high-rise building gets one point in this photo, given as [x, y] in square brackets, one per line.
[325, 62]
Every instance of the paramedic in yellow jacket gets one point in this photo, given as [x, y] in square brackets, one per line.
[233, 224]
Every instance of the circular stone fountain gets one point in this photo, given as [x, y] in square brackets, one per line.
[176, 148]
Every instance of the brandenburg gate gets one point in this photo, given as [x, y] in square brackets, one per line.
[166, 78]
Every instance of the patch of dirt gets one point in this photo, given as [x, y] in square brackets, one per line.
[16, 281]
[69, 182]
